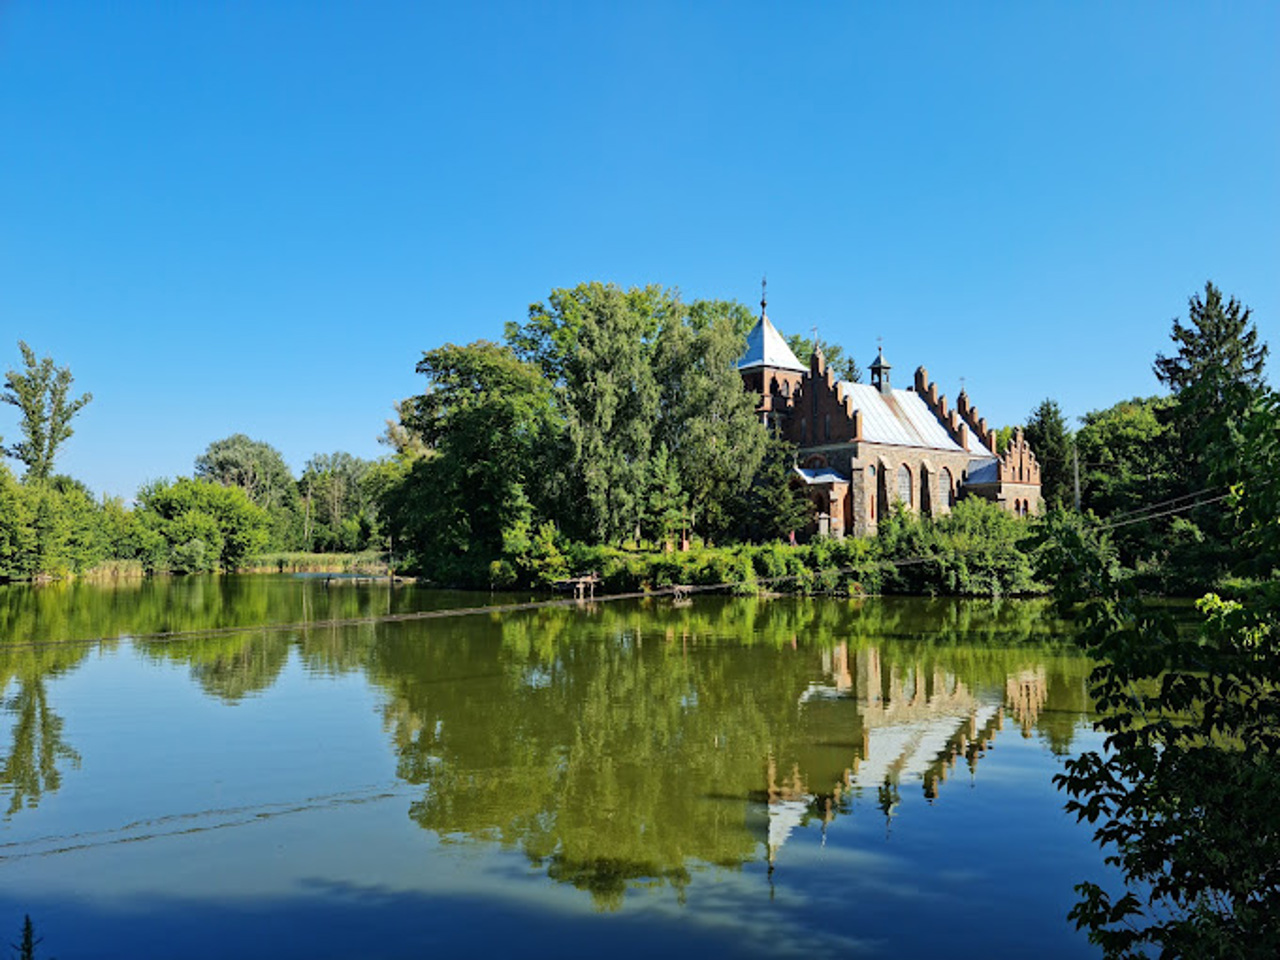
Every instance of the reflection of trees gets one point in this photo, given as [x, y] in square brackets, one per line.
[31, 767]
[632, 742]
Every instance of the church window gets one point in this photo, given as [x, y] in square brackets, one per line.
[826, 426]
[944, 487]
[904, 484]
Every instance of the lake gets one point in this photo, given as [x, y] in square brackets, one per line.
[294, 774]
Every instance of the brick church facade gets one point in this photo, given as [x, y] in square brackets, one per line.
[865, 447]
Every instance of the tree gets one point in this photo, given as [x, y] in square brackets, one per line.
[201, 526]
[41, 395]
[260, 471]
[1047, 433]
[1220, 345]
[489, 418]
[255, 467]
[775, 505]
[336, 508]
[1214, 377]
[1183, 791]
[594, 344]
[706, 419]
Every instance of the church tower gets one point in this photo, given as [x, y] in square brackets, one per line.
[771, 369]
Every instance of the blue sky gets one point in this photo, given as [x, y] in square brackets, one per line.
[254, 217]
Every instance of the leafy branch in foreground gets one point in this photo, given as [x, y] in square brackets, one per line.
[1183, 794]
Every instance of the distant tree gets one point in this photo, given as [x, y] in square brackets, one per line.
[844, 367]
[1051, 441]
[255, 467]
[260, 471]
[335, 504]
[40, 392]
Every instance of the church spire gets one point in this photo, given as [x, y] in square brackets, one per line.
[764, 299]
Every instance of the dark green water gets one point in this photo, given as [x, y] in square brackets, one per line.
[730, 777]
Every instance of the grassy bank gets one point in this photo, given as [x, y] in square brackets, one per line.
[368, 563]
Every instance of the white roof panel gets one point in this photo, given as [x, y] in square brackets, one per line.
[902, 419]
[766, 348]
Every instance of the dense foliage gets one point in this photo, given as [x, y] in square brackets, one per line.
[1183, 793]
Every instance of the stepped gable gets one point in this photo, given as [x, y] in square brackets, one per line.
[865, 450]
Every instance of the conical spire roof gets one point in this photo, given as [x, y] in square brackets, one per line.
[766, 348]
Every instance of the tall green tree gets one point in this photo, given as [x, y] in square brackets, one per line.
[706, 419]
[40, 391]
[488, 417]
[1047, 432]
[258, 469]
[1215, 377]
[336, 506]
[594, 344]
[1219, 345]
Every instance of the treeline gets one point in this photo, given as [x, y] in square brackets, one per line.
[1156, 474]
[241, 502]
[610, 429]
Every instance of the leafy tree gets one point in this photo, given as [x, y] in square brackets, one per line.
[255, 467]
[1183, 791]
[707, 420]
[40, 392]
[337, 511]
[1047, 433]
[594, 344]
[199, 525]
[488, 416]
[260, 471]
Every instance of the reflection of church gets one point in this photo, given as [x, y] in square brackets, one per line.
[865, 447]
[869, 729]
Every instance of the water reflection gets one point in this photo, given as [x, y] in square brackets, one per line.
[617, 746]
[634, 744]
[37, 751]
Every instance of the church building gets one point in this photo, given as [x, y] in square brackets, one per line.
[865, 447]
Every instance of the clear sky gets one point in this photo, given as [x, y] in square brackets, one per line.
[254, 217]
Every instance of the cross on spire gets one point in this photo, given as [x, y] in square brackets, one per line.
[764, 298]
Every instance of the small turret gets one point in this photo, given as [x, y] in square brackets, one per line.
[880, 373]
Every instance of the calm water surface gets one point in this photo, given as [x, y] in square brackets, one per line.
[730, 777]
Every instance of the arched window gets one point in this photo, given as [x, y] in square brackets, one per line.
[904, 484]
[871, 496]
[786, 388]
[826, 426]
[944, 487]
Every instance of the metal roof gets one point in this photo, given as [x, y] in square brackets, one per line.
[901, 418]
[814, 475]
[766, 348]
